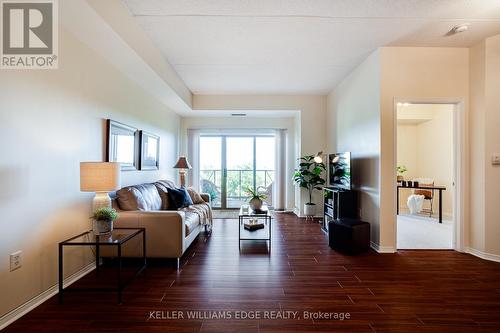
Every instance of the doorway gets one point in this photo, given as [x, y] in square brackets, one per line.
[426, 156]
[230, 164]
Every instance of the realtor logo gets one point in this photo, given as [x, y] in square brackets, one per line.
[29, 34]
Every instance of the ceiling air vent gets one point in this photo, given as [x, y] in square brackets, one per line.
[238, 114]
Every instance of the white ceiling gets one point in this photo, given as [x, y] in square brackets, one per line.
[297, 46]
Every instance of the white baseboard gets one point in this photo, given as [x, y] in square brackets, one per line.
[304, 216]
[26, 307]
[482, 255]
[382, 249]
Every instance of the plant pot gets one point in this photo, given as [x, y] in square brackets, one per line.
[102, 227]
[309, 209]
[255, 203]
[400, 179]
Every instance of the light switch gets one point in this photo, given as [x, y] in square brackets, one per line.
[495, 159]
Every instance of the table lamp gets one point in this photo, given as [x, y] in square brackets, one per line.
[101, 178]
[183, 165]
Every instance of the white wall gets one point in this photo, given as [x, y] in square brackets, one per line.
[426, 149]
[250, 123]
[309, 131]
[354, 117]
[50, 120]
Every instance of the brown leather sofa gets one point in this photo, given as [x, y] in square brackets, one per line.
[168, 232]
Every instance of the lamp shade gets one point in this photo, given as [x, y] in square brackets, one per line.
[319, 157]
[182, 163]
[99, 176]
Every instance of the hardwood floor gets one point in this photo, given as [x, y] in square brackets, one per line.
[411, 291]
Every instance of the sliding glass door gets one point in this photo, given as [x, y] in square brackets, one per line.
[231, 164]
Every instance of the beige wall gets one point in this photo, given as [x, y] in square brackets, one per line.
[362, 108]
[407, 151]
[310, 129]
[477, 146]
[50, 120]
[426, 149]
[413, 73]
[485, 141]
[250, 123]
[354, 117]
[492, 123]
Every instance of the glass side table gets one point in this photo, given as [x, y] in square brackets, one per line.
[116, 238]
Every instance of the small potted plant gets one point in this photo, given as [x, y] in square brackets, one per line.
[309, 176]
[256, 198]
[103, 220]
[401, 169]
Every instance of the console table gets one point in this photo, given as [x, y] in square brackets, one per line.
[440, 189]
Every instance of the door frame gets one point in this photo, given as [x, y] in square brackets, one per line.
[460, 165]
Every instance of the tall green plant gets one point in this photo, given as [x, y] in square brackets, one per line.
[308, 175]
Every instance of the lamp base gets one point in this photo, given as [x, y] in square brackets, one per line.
[182, 175]
[101, 200]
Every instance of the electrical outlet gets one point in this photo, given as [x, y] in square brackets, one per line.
[15, 260]
[495, 159]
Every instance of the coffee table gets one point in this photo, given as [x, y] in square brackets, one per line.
[264, 214]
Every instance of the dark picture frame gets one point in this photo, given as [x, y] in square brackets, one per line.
[122, 145]
[150, 151]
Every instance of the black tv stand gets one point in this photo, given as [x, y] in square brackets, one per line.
[338, 204]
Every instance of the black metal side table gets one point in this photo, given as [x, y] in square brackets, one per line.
[117, 238]
[264, 214]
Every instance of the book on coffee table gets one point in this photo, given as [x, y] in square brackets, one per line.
[253, 226]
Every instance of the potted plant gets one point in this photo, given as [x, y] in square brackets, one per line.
[308, 176]
[401, 169]
[103, 220]
[256, 198]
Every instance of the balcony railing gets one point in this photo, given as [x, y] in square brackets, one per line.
[237, 181]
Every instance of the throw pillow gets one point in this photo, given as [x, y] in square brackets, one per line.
[195, 196]
[179, 198]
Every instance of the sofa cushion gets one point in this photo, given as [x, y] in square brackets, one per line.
[130, 198]
[150, 195]
[191, 222]
[179, 198]
[139, 197]
[195, 196]
[163, 192]
[204, 212]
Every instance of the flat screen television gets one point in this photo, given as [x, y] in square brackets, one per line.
[340, 170]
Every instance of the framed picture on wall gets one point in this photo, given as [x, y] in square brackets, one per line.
[122, 145]
[150, 151]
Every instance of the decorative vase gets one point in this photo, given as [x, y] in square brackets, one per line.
[102, 227]
[309, 209]
[255, 203]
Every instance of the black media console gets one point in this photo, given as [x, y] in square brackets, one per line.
[338, 204]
